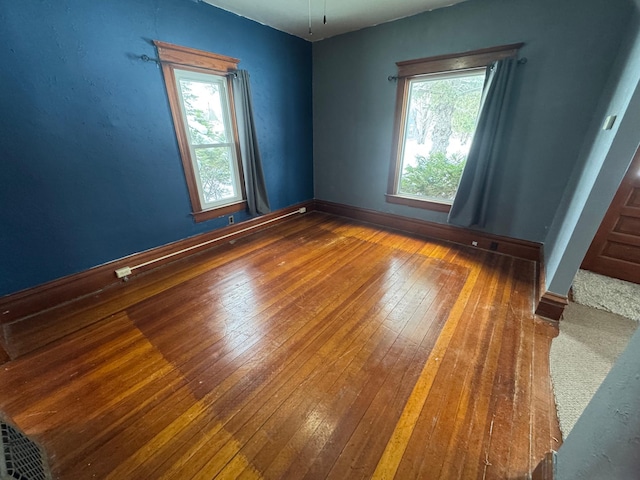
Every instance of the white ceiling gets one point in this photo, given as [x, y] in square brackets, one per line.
[292, 16]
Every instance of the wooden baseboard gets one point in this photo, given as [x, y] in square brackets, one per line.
[546, 469]
[34, 303]
[548, 305]
[551, 305]
[541, 272]
[36, 299]
[506, 245]
[49, 295]
[4, 356]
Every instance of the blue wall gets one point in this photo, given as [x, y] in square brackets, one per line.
[604, 160]
[571, 46]
[90, 170]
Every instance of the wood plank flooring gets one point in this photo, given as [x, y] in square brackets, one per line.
[319, 348]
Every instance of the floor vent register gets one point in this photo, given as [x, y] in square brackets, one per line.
[20, 457]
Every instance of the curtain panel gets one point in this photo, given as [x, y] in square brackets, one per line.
[257, 199]
[471, 204]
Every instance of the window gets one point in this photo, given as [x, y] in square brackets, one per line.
[438, 103]
[201, 99]
[204, 105]
[438, 129]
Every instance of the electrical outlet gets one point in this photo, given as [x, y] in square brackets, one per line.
[231, 220]
[474, 243]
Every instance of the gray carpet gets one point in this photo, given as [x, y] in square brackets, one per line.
[586, 348]
[610, 294]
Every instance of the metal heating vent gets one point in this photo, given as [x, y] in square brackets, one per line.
[20, 458]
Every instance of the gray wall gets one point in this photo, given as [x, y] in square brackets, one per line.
[605, 441]
[557, 93]
[604, 160]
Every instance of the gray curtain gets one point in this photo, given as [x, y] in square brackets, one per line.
[470, 207]
[257, 199]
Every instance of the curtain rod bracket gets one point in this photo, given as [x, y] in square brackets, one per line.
[392, 78]
[522, 61]
[146, 58]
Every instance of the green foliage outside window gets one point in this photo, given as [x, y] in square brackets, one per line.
[441, 117]
[214, 168]
[435, 176]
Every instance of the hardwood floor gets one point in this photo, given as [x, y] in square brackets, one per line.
[319, 348]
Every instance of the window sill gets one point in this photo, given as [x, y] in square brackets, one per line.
[418, 203]
[219, 211]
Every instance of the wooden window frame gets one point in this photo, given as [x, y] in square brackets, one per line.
[183, 58]
[410, 69]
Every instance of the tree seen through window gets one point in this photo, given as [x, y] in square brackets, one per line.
[440, 122]
[205, 118]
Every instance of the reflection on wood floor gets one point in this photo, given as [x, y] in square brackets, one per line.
[319, 348]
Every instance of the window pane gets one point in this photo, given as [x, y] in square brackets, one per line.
[215, 172]
[203, 109]
[441, 119]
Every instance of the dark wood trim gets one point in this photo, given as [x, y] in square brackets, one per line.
[457, 61]
[541, 272]
[596, 259]
[546, 469]
[181, 136]
[219, 212]
[486, 241]
[4, 356]
[615, 268]
[51, 294]
[552, 305]
[185, 56]
[418, 203]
